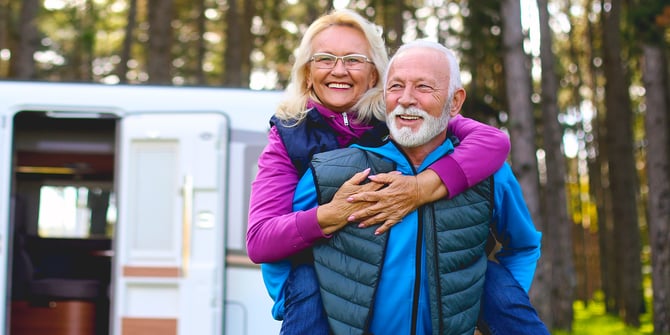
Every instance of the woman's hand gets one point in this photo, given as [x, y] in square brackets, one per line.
[402, 195]
[333, 215]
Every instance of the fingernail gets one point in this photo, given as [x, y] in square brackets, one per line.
[360, 225]
[350, 199]
[351, 218]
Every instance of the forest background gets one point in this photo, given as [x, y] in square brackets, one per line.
[581, 87]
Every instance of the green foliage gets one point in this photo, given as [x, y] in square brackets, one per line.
[479, 43]
[591, 319]
[651, 18]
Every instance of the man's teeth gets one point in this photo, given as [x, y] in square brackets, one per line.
[409, 117]
[339, 85]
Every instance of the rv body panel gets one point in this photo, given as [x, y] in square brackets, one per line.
[174, 166]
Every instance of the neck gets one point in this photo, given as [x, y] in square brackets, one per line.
[418, 154]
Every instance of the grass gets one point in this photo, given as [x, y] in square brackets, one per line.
[591, 319]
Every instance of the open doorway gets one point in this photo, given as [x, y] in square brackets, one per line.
[63, 221]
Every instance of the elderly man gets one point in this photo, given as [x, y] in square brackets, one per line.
[427, 274]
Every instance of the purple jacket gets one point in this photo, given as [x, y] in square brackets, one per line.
[276, 232]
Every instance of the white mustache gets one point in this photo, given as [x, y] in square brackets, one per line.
[412, 111]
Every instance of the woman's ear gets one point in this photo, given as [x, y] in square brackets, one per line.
[373, 81]
[308, 78]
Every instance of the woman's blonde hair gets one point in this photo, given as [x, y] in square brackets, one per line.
[371, 104]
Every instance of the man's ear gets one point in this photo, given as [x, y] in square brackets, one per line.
[457, 102]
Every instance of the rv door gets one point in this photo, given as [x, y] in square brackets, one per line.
[170, 243]
[5, 203]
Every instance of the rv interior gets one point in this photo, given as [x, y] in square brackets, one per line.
[63, 218]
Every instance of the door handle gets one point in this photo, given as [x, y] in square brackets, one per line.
[187, 212]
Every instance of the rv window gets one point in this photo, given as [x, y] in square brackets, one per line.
[76, 211]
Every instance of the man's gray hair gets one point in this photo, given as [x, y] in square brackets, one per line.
[454, 68]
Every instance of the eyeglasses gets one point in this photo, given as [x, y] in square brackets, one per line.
[328, 61]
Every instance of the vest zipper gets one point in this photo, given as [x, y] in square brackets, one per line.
[417, 269]
[346, 119]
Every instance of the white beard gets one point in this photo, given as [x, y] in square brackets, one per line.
[430, 128]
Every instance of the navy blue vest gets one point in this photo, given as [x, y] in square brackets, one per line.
[313, 135]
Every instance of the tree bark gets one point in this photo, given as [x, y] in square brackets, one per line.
[4, 36]
[159, 60]
[23, 62]
[557, 225]
[598, 175]
[622, 172]
[522, 135]
[202, 49]
[656, 120]
[122, 70]
[233, 53]
[86, 42]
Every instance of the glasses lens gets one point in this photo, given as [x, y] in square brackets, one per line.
[328, 61]
[354, 61]
[324, 61]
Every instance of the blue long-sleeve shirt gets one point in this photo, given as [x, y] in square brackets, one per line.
[511, 220]
[512, 224]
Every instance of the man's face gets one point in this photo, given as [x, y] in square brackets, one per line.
[418, 104]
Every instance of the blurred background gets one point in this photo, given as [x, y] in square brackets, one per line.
[580, 86]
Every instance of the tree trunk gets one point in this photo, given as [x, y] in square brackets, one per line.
[598, 175]
[588, 274]
[239, 43]
[122, 70]
[233, 52]
[4, 36]
[557, 225]
[393, 19]
[622, 172]
[23, 63]
[653, 74]
[202, 49]
[159, 60]
[86, 42]
[522, 135]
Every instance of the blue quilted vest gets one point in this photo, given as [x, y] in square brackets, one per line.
[350, 263]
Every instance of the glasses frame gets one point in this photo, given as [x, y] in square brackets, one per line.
[337, 58]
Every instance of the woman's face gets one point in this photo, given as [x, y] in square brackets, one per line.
[340, 88]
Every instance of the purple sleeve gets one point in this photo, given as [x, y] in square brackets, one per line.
[275, 231]
[482, 151]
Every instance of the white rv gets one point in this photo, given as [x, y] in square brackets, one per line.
[123, 209]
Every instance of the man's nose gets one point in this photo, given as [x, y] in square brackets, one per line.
[406, 98]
